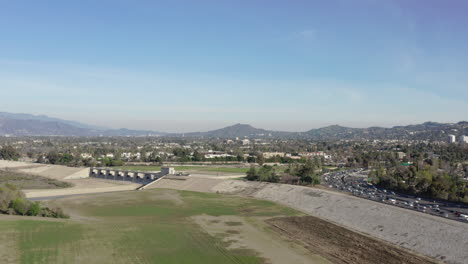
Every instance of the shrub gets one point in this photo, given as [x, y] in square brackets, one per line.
[20, 205]
[34, 209]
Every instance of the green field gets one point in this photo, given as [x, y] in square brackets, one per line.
[151, 226]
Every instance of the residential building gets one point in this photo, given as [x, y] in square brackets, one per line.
[451, 139]
[463, 139]
[268, 155]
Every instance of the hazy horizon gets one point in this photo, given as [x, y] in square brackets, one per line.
[185, 66]
[172, 126]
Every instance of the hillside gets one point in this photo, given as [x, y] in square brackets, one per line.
[238, 130]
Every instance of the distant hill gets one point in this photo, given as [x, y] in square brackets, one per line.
[237, 130]
[425, 131]
[33, 125]
[24, 127]
[45, 118]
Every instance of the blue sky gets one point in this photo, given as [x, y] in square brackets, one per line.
[199, 65]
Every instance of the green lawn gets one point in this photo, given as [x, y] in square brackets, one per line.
[151, 226]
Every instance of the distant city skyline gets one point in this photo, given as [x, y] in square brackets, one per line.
[195, 66]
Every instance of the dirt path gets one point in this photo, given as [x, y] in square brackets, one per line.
[239, 234]
[341, 245]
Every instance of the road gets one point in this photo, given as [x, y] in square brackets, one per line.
[355, 182]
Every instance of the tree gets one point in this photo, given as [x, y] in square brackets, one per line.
[66, 158]
[305, 172]
[20, 206]
[260, 160]
[53, 157]
[9, 153]
[197, 156]
[8, 193]
[252, 174]
[34, 209]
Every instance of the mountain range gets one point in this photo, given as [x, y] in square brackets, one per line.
[40, 125]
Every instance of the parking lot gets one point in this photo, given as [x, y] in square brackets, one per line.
[355, 182]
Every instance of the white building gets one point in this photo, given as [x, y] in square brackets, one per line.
[245, 142]
[268, 155]
[463, 139]
[401, 155]
[315, 154]
[216, 154]
[86, 155]
[451, 139]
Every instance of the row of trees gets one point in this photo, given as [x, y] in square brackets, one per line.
[426, 180]
[265, 174]
[13, 202]
[68, 159]
[303, 174]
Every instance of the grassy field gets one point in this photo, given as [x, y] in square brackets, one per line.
[151, 226]
[26, 181]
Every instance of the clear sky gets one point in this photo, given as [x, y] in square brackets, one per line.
[197, 65]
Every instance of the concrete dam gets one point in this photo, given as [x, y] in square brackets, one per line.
[141, 177]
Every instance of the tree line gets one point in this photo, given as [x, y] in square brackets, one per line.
[299, 174]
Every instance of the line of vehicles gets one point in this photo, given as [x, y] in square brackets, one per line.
[355, 182]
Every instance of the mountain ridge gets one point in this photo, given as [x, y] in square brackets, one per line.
[39, 125]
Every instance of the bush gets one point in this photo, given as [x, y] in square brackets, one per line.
[34, 209]
[20, 205]
[8, 193]
[12, 201]
[54, 212]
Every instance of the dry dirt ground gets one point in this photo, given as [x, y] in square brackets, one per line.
[76, 176]
[340, 245]
[239, 234]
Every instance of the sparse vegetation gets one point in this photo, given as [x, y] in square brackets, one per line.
[12, 201]
[26, 181]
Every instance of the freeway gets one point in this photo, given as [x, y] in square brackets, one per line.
[355, 182]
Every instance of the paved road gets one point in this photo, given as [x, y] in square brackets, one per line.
[355, 182]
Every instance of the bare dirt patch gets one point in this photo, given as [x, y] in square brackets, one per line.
[340, 245]
[246, 236]
[26, 181]
[169, 195]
